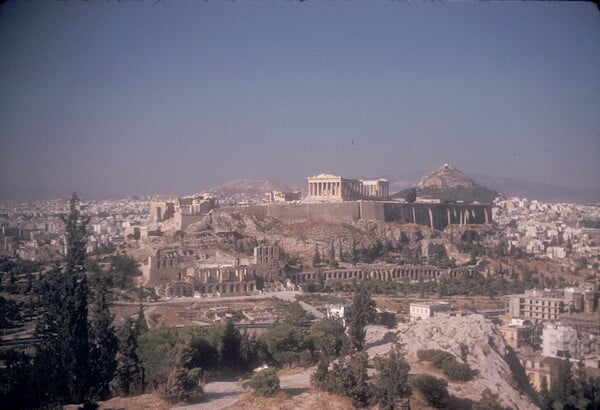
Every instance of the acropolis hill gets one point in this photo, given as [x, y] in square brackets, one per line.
[336, 199]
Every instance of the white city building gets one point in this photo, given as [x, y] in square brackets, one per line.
[559, 340]
[424, 310]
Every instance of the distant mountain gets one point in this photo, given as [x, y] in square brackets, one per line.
[250, 187]
[448, 183]
[539, 191]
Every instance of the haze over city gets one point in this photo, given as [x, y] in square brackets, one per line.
[126, 98]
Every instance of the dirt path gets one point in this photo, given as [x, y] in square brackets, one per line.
[224, 394]
[217, 395]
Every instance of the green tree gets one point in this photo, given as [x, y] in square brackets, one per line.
[16, 389]
[362, 312]
[297, 316]
[264, 383]
[62, 359]
[567, 392]
[328, 336]
[202, 350]
[316, 257]
[411, 195]
[434, 390]
[227, 339]
[129, 375]
[392, 380]
[182, 386]
[319, 377]
[347, 377]
[544, 399]
[141, 325]
[161, 351]
[9, 313]
[281, 344]
[248, 351]
[103, 345]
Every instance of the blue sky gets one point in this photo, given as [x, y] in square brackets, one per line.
[117, 98]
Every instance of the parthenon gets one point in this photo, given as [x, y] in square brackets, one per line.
[325, 187]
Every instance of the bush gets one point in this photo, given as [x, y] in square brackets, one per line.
[457, 371]
[434, 390]
[436, 357]
[264, 383]
[440, 359]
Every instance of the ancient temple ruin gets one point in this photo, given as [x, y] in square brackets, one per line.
[325, 188]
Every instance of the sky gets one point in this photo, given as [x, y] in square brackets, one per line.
[124, 98]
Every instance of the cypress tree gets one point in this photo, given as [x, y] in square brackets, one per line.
[62, 361]
[361, 313]
[141, 326]
[392, 380]
[103, 345]
[49, 364]
[129, 375]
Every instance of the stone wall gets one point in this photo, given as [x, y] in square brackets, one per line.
[333, 212]
[436, 216]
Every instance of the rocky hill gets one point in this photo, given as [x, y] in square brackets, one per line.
[486, 353]
[448, 183]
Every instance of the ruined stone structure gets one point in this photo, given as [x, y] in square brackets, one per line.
[182, 211]
[384, 273]
[161, 211]
[331, 188]
[177, 273]
[224, 281]
[280, 196]
[177, 288]
[167, 265]
[266, 258]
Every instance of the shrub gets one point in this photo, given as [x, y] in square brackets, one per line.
[264, 383]
[457, 371]
[435, 356]
[434, 390]
[440, 359]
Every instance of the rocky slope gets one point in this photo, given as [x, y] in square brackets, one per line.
[224, 226]
[487, 354]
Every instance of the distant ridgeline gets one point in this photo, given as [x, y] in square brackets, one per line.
[436, 216]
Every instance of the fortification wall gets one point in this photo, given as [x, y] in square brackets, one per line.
[334, 212]
[436, 216]
[372, 211]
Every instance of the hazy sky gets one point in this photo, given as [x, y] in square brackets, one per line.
[135, 97]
